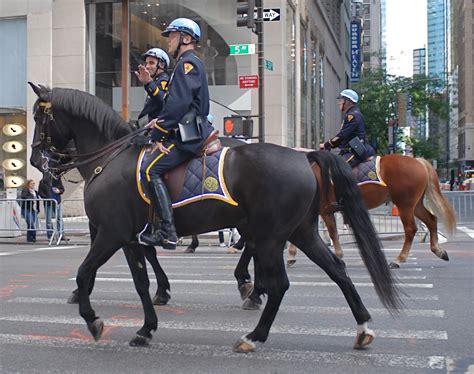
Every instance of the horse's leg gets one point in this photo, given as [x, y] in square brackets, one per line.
[237, 246]
[407, 216]
[136, 262]
[162, 295]
[241, 273]
[194, 244]
[330, 222]
[291, 255]
[254, 301]
[102, 248]
[309, 242]
[431, 223]
[74, 297]
[272, 270]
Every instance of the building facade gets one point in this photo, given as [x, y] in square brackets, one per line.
[80, 43]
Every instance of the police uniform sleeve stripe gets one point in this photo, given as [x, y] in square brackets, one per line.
[157, 90]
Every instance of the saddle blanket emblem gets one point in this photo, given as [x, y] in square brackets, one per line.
[369, 172]
[197, 187]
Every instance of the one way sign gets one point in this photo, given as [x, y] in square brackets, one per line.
[271, 14]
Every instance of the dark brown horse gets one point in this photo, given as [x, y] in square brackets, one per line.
[409, 181]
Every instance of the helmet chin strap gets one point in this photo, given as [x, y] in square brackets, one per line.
[180, 43]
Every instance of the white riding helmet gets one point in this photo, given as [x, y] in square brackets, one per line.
[159, 54]
[350, 94]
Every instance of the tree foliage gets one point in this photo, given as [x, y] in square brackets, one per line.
[378, 103]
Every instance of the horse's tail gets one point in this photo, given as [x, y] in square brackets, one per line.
[334, 170]
[438, 203]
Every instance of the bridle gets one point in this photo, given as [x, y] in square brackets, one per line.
[52, 159]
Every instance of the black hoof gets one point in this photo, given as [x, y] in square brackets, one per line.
[444, 256]
[73, 298]
[161, 299]
[246, 290]
[96, 328]
[290, 263]
[250, 304]
[140, 341]
[394, 265]
[190, 250]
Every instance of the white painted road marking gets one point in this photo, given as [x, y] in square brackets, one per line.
[466, 230]
[235, 327]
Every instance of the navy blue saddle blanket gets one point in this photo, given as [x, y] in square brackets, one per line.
[197, 187]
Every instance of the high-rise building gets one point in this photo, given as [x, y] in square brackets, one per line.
[437, 38]
[419, 61]
[462, 21]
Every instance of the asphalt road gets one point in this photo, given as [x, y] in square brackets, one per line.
[313, 332]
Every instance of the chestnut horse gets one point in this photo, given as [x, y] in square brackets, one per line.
[408, 182]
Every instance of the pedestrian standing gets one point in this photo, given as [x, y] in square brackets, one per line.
[30, 208]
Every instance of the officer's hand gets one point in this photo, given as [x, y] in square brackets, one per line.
[143, 75]
[150, 124]
[321, 146]
[158, 146]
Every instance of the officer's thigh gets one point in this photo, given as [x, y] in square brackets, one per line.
[158, 163]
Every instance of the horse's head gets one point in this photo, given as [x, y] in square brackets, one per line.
[50, 139]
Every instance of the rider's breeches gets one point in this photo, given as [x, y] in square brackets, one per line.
[157, 163]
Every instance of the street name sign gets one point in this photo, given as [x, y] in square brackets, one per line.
[242, 49]
[248, 81]
[268, 65]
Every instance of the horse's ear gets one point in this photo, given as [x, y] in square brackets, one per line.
[35, 88]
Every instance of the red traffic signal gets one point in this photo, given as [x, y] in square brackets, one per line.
[238, 126]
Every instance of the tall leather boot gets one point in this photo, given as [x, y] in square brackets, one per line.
[166, 236]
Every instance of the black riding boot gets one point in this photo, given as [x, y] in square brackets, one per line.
[166, 236]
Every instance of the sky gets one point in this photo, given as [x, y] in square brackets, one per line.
[406, 31]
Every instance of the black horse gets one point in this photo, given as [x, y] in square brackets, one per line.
[274, 186]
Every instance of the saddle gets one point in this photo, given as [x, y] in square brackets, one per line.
[174, 179]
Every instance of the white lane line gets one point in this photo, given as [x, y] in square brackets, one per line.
[291, 293]
[297, 283]
[360, 359]
[43, 249]
[226, 307]
[236, 327]
[466, 230]
[441, 238]
[299, 275]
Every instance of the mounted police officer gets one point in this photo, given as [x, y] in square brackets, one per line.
[154, 77]
[182, 127]
[351, 136]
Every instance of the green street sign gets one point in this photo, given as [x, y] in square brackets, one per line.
[242, 49]
[268, 65]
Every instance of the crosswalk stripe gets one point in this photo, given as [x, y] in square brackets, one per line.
[297, 283]
[235, 327]
[466, 230]
[359, 359]
[291, 293]
[292, 275]
[223, 307]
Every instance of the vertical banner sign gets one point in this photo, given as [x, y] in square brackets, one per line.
[355, 51]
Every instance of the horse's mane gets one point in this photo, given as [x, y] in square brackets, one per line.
[88, 107]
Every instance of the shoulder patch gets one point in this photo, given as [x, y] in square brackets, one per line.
[163, 85]
[350, 117]
[188, 67]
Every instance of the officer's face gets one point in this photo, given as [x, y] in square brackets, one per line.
[173, 41]
[151, 64]
[340, 104]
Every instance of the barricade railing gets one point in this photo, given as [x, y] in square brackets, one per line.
[463, 204]
[27, 216]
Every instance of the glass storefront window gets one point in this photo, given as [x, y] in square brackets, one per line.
[291, 78]
[305, 129]
[314, 96]
[322, 132]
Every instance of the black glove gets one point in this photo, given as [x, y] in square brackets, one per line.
[140, 140]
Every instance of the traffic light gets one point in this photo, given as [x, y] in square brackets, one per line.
[238, 126]
[245, 14]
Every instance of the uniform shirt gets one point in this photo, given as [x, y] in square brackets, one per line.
[187, 89]
[155, 93]
[353, 125]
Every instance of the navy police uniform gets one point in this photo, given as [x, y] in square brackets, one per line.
[353, 125]
[155, 96]
[187, 89]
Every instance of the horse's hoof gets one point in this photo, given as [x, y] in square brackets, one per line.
[140, 341]
[244, 346]
[444, 255]
[190, 250]
[364, 339]
[246, 290]
[394, 265]
[250, 304]
[160, 299]
[73, 298]
[290, 263]
[96, 328]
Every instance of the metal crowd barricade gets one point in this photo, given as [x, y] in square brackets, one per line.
[74, 217]
[13, 217]
[463, 204]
